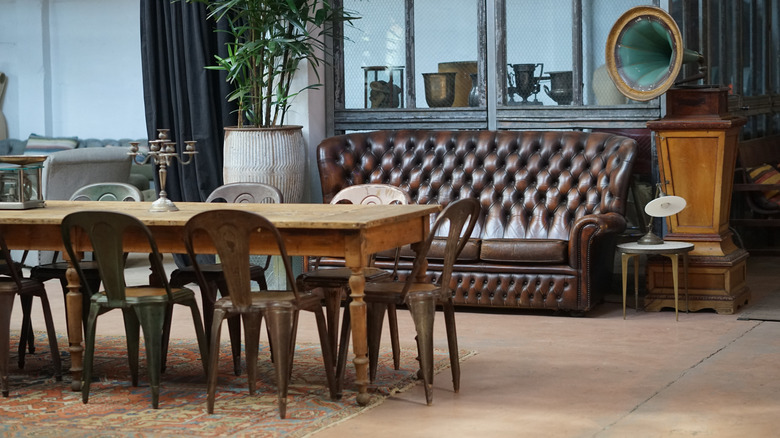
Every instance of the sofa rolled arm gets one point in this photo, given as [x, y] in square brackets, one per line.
[586, 230]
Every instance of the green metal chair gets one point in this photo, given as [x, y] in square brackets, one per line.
[142, 306]
[12, 284]
[230, 232]
[107, 191]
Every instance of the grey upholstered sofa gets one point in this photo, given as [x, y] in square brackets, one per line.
[71, 151]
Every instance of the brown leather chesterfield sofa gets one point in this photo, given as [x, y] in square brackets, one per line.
[552, 203]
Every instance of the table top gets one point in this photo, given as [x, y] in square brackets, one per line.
[670, 247]
[312, 216]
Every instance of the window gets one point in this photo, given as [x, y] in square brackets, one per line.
[526, 64]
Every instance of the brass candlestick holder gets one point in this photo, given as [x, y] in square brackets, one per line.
[162, 152]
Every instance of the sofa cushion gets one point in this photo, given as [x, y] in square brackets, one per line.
[470, 252]
[40, 145]
[525, 250]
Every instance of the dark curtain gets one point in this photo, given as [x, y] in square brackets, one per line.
[177, 42]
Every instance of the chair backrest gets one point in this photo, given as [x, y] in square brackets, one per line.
[371, 194]
[230, 232]
[457, 222]
[108, 191]
[246, 192]
[106, 231]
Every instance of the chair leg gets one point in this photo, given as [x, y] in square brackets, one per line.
[6, 306]
[376, 316]
[392, 320]
[332, 309]
[343, 350]
[165, 336]
[89, 352]
[26, 335]
[211, 387]
[234, 329]
[327, 352]
[152, 318]
[132, 338]
[423, 309]
[52, 334]
[452, 342]
[199, 333]
[280, 322]
[252, 323]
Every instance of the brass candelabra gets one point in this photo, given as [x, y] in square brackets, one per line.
[162, 152]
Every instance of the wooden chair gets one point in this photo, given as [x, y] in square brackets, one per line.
[212, 272]
[11, 285]
[230, 232]
[108, 191]
[456, 221]
[335, 281]
[142, 306]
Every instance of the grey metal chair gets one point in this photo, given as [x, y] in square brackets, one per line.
[335, 281]
[243, 192]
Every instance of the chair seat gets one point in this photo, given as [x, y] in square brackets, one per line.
[136, 294]
[266, 299]
[56, 270]
[213, 272]
[338, 277]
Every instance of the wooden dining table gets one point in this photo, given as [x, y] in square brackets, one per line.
[352, 232]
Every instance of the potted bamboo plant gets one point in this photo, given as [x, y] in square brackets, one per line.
[269, 40]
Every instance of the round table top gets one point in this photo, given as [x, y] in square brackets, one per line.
[662, 248]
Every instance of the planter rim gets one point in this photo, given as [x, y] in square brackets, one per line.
[268, 128]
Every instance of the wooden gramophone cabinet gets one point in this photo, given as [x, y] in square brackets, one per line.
[696, 144]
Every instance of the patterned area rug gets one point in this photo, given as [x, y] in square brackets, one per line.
[42, 407]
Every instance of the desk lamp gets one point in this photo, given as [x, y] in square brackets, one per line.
[661, 206]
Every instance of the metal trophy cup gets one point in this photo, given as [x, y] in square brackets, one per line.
[162, 151]
[560, 90]
[524, 83]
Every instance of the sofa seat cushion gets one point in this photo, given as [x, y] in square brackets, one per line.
[525, 250]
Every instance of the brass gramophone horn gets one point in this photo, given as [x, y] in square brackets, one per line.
[645, 54]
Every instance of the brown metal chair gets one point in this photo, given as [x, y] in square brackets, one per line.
[11, 285]
[456, 221]
[230, 232]
[231, 193]
[143, 306]
[335, 281]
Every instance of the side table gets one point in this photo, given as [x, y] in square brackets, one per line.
[668, 249]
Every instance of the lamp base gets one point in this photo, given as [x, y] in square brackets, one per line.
[650, 239]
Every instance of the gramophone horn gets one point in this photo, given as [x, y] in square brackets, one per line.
[645, 54]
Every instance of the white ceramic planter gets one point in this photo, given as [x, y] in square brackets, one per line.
[272, 156]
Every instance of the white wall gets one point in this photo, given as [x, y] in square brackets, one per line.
[74, 68]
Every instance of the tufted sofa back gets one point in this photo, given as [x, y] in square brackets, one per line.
[531, 184]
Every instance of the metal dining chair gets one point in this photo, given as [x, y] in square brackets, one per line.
[108, 191]
[230, 232]
[143, 306]
[12, 284]
[456, 221]
[243, 192]
[335, 281]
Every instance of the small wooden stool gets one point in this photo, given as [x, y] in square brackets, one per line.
[668, 249]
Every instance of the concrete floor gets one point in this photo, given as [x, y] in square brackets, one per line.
[538, 375]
